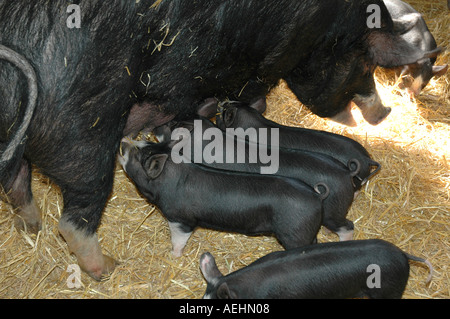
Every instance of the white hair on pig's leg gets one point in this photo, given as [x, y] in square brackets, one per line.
[179, 238]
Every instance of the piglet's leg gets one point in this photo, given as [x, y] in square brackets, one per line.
[343, 228]
[345, 234]
[180, 235]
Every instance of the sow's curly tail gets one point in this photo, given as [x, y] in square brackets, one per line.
[14, 148]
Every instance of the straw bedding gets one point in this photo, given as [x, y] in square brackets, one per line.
[407, 203]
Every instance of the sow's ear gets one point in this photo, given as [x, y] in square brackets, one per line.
[439, 70]
[155, 165]
[406, 23]
[391, 50]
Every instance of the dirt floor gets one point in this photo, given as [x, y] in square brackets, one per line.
[407, 203]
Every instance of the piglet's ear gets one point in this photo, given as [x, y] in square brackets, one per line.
[208, 109]
[229, 115]
[259, 105]
[187, 125]
[391, 50]
[163, 133]
[209, 268]
[224, 292]
[155, 165]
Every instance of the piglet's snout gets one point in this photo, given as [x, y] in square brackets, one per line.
[127, 147]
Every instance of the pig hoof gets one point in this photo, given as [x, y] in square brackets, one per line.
[28, 218]
[377, 120]
[101, 272]
[177, 253]
[345, 236]
[345, 117]
[345, 233]
[27, 226]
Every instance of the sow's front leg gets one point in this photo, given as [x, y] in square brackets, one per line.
[86, 247]
[86, 180]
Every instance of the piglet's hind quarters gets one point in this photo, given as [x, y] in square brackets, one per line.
[373, 269]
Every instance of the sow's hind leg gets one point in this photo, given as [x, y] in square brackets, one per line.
[19, 195]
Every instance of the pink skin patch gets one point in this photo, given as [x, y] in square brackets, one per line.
[87, 250]
[179, 239]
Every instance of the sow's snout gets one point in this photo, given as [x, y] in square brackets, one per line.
[372, 108]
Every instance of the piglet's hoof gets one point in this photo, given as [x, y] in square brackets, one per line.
[28, 219]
